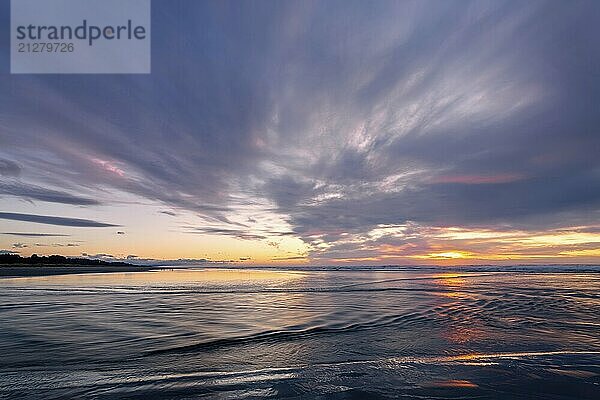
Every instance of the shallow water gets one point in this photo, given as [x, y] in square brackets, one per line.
[367, 333]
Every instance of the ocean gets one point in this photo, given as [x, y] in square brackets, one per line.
[345, 333]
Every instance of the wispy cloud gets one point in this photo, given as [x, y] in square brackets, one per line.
[50, 220]
[32, 192]
[238, 233]
[29, 234]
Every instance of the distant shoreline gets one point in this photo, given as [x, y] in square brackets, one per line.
[24, 270]
[15, 266]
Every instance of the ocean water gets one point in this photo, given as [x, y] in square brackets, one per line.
[481, 333]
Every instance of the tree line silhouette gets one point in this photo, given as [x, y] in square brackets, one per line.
[54, 260]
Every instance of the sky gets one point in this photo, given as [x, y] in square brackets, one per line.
[317, 133]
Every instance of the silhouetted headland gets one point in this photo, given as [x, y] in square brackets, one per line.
[13, 265]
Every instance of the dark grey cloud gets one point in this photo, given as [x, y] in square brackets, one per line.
[238, 233]
[101, 256]
[19, 246]
[243, 233]
[32, 192]
[50, 220]
[66, 244]
[9, 168]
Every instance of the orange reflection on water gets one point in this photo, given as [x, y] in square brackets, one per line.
[452, 383]
[462, 327]
[464, 335]
[451, 281]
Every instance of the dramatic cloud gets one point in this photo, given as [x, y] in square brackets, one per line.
[48, 220]
[330, 121]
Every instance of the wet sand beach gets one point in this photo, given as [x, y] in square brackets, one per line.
[376, 333]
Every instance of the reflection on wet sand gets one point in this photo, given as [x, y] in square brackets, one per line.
[451, 383]
[161, 276]
[466, 327]
[287, 334]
